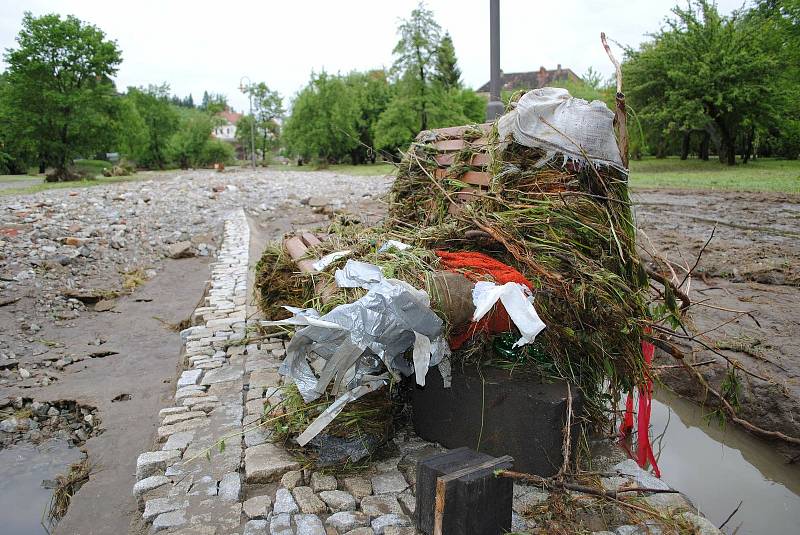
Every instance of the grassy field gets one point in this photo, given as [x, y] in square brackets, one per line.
[376, 169]
[761, 175]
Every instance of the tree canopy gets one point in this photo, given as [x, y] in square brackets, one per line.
[707, 73]
[58, 96]
[358, 115]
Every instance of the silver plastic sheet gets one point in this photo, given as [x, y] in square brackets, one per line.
[353, 344]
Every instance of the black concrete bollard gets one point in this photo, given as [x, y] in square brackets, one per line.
[458, 494]
[499, 413]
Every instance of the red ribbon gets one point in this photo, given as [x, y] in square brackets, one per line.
[644, 449]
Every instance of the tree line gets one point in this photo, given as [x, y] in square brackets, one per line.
[705, 83]
[711, 82]
[361, 116]
[58, 102]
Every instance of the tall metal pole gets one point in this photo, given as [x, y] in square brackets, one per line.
[252, 131]
[244, 88]
[494, 108]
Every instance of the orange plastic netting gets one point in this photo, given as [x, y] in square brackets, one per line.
[478, 266]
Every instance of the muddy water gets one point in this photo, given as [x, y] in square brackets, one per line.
[719, 467]
[23, 499]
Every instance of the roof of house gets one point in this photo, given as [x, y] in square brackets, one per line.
[230, 116]
[531, 80]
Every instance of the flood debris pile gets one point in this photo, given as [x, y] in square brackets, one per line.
[510, 244]
[26, 420]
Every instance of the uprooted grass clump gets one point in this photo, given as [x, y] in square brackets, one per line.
[369, 419]
[66, 487]
[565, 224]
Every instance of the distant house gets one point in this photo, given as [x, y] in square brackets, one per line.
[227, 130]
[513, 81]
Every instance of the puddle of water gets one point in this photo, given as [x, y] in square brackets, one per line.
[719, 467]
[23, 467]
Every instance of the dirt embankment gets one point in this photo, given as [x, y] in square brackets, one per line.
[746, 290]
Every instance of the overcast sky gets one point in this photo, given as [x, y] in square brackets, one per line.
[209, 45]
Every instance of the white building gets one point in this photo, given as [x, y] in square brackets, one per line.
[227, 130]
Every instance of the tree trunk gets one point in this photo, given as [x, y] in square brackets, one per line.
[727, 146]
[661, 149]
[685, 142]
[748, 145]
[705, 142]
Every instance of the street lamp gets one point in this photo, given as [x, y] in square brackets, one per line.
[494, 108]
[244, 88]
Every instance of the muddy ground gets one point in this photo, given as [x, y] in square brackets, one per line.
[746, 290]
[750, 265]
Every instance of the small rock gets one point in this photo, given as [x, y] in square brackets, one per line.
[361, 531]
[308, 501]
[230, 487]
[347, 521]
[157, 506]
[381, 505]
[152, 462]
[25, 374]
[181, 249]
[309, 525]
[281, 524]
[400, 530]
[284, 503]
[169, 520]
[702, 525]
[320, 482]
[292, 479]
[389, 482]
[380, 524]
[358, 487]
[267, 462]
[256, 527]
[189, 378]
[338, 500]
[179, 441]
[9, 425]
[257, 507]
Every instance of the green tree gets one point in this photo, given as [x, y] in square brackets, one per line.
[415, 55]
[447, 72]
[371, 93]
[267, 108]
[214, 102]
[60, 94]
[17, 153]
[160, 118]
[187, 145]
[705, 71]
[323, 124]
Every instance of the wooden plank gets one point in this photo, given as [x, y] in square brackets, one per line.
[480, 142]
[309, 239]
[297, 250]
[480, 159]
[444, 500]
[450, 145]
[476, 178]
[445, 159]
[459, 131]
[468, 194]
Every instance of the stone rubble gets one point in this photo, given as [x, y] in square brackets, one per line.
[66, 254]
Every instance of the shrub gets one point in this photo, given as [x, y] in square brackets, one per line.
[216, 151]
